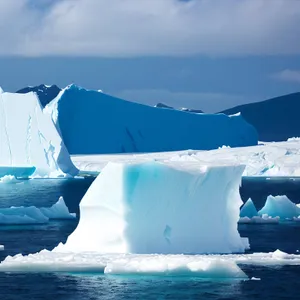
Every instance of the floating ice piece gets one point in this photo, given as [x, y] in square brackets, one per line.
[1, 247]
[20, 172]
[34, 215]
[248, 210]
[29, 137]
[59, 210]
[280, 206]
[9, 179]
[161, 208]
[264, 219]
[207, 266]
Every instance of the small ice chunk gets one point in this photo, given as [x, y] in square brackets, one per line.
[248, 210]
[1, 247]
[9, 179]
[34, 215]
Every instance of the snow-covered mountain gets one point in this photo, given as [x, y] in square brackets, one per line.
[46, 93]
[92, 122]
[162, 105]
[275, 119]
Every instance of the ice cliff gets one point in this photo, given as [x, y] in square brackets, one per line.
[29, 139]
[164, 208]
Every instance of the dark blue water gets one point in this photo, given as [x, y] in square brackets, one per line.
[275, 283]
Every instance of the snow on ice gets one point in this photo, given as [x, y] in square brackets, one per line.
[267, 160]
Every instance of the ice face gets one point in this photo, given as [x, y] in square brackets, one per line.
[34, 215]
[280, 206]
[160, 208]
[92, 122]
[29, 138]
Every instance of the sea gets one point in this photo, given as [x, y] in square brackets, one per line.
[277, 282]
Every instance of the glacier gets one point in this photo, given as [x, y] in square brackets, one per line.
[158, 207]
[34, 215]
[126, 127]
[29, 141]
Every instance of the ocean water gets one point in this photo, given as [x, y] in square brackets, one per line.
[275, 282]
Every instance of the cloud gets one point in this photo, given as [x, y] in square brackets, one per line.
[208, 102]
[288, 75]
[119, 28]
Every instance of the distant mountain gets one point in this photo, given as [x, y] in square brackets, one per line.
[276, 119]
[196, 111]
[46, 93]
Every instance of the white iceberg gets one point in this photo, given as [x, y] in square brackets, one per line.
[160, 208]
[1, 247]
[29, 139]
[267, 160]
[34, 215]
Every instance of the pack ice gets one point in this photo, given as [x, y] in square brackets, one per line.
[154, 207]
[29, 140]
[126, 127]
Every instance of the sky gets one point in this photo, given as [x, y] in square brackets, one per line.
[202, 54]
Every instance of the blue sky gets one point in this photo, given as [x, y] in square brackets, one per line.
[206, 54]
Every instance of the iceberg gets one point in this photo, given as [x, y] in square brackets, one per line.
[1, 247]
[91, 122]
[265, 160]
[280, 206]
[248, 210]
[33, 215]
[29, 141]
[156, 207]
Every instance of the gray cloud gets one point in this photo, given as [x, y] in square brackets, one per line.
[119, 28]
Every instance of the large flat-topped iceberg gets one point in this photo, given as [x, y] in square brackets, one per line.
[154, 207]
[29, 139]
[268, 159]
[92, 122]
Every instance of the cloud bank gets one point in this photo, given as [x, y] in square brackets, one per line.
[130, 28]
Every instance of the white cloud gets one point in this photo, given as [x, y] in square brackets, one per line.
[288, 75]
[120, 28]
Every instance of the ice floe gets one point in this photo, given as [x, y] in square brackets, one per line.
[34, 215]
